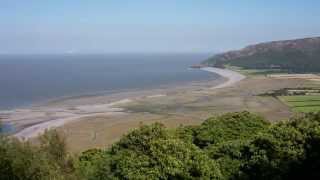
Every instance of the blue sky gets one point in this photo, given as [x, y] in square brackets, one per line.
[150, 26]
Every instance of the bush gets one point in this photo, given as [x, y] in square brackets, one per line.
[151, 152]
[20, 160]
[288, 150]
[229, 157]
[273, 154]
[90, 163]
[228, 127]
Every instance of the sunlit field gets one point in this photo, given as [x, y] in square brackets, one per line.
[302, 103]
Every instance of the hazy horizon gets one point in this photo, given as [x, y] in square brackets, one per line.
[83, 27]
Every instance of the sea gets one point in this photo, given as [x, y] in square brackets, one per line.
[28, 79]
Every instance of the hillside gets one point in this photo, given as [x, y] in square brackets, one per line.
[299, 55]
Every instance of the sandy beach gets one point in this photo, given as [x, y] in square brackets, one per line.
[35, 120]
[232, 76]
[72, 115]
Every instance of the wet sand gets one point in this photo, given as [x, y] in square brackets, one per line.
[188, 105]
[31, 122]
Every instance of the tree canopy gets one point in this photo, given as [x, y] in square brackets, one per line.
[237, 145]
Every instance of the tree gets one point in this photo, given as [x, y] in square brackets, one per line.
[229, 157]
[140, 139]
[308, 125]
[274, 154]
[232, 146]
[22, 161]
[228, 127]
[90, 163]
[54, 146]
[151, 152]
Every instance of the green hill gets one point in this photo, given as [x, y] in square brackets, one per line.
[299, 55]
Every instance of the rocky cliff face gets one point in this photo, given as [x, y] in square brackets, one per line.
[270, 52]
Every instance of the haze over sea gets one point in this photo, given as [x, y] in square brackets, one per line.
[27, 79]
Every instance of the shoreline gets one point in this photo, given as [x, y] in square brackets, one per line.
[232, 76]
[53, 116]
[102, 93]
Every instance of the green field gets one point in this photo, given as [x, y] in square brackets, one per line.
[255, 72]
[303, 103]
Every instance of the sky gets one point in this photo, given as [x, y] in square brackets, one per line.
[151, 26]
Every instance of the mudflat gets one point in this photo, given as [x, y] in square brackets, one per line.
[33, 121]
[181, 106]
[98, 121]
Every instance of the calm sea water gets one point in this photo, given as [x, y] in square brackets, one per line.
[25, 79]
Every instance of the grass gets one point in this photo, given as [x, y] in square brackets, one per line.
[256, 72]
[303, 103]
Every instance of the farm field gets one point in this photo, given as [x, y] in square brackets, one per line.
[256, 72]
[302, 103]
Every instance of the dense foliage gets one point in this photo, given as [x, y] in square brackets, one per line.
[21, 160]
[152, 152]
[232, 146]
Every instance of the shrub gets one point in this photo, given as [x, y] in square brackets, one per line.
[151, 152]
[228, 127]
